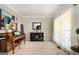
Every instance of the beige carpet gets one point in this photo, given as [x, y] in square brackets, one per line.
[38, 48]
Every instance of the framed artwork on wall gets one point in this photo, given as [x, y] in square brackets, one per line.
[36, 25]
[6, 19]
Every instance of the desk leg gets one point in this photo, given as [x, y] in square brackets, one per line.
[13, 47]
[24, 40]
[19, 45]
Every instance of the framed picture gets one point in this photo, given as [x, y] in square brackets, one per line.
[36, 25]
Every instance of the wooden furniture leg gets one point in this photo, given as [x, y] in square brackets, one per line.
[19, 44]
[13, 47]
[24, 40]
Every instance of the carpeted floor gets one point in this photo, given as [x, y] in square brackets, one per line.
[38, 48]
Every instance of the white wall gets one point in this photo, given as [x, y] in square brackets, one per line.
[47, 26]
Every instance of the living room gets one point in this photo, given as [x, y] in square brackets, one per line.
[46, 29]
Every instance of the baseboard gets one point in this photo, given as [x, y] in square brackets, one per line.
[67, 51]
[64, 49]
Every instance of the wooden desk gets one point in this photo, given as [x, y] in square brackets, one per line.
[10, 42]
[17, 41]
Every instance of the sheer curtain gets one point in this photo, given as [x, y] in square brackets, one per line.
[62, 30]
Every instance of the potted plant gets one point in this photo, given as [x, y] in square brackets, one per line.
[76, 47]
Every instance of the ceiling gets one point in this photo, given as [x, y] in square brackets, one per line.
[34, 9]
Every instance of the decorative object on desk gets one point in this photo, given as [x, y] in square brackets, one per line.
[16, 33]
[9, 31]
[12, 25]
[36, 25]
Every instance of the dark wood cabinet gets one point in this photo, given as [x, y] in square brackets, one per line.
[36, 36]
